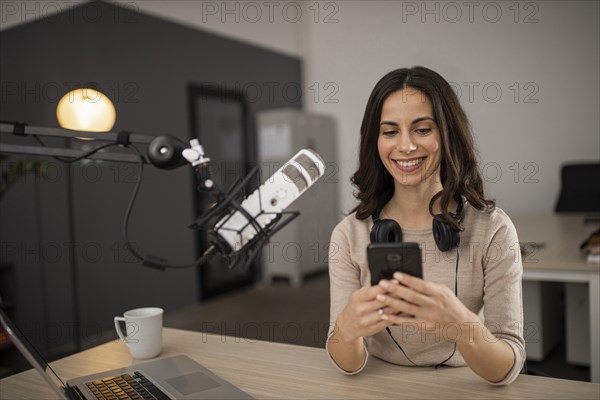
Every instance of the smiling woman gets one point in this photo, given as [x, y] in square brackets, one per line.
[402, 94]
[417, 169]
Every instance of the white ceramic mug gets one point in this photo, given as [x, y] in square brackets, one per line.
[144, 331]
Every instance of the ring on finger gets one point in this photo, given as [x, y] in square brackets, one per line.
[380, 311]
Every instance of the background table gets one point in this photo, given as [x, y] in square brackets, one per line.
[560, 261]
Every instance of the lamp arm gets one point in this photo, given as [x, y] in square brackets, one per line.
[164, 152]
[23, 129]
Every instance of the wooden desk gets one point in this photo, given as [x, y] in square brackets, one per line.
[560, 261]
[275, 371]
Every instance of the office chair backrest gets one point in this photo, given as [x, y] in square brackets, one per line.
[580, 188]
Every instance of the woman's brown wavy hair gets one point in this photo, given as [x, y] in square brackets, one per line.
[458, 170]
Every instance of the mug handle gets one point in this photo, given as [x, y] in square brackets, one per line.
[118, 328]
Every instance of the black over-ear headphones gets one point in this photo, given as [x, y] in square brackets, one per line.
[445, 235]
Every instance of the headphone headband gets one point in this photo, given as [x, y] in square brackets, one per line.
[375, 216]
[459, 207]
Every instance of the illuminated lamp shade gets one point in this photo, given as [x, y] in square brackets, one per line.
[86, 110]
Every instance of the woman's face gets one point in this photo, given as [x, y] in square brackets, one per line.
[409, 141]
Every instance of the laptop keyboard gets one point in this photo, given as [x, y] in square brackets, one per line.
[126, 386]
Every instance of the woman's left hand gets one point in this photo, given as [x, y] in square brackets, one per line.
[432, 306]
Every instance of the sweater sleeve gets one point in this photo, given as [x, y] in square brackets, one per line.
[344, 277]
[502, 297]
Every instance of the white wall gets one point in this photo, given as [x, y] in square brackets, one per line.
[555, 55]
[546, 53]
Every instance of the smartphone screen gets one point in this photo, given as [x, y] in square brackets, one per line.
[387, 258]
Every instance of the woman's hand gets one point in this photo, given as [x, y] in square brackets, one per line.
[361, 316]
[430, 306]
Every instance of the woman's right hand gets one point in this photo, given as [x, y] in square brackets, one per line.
[361, 316]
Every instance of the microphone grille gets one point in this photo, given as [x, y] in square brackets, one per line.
[309, 165]
[295, 176]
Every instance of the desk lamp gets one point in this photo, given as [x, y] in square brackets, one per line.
[86, 110]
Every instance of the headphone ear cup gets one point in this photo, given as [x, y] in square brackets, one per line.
[445, 236]
[386, 231]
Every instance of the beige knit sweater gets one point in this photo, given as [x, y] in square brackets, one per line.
[489, 284]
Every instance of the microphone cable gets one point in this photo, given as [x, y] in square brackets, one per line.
[150, 260]
[75, 159]
[454, 350]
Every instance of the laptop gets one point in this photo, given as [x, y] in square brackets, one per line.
[176, 377]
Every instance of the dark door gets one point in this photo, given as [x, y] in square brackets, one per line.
[220, 121]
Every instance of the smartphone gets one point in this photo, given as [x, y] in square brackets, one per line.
[387, 258]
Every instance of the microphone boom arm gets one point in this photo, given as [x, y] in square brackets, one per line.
[164, 152]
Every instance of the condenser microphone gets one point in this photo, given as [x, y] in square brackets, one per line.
[265, 205]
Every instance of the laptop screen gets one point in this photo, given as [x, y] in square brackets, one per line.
[31, 354]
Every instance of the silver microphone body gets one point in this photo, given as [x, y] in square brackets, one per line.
[265, 204]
